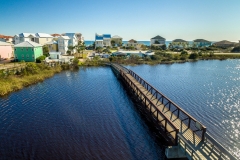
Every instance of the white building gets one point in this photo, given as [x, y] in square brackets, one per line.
[103, 40]
[63, 42]
[40, 38]
[158, 40]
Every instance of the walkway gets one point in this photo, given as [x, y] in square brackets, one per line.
[188, 135]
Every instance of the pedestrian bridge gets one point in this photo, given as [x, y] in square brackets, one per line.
[186, 137]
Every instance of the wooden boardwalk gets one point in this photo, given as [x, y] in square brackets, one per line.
[190, 136]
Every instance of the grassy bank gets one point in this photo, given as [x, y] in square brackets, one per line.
[16, 79]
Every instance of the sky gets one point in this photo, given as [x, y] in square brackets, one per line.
[212, 20]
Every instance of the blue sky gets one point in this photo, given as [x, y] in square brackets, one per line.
[138, 19]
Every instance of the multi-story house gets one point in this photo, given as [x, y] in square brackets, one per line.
[158, 40]
[116, 40]
[27, 51]
[225, 44]
[6, 50]
[179, 43]
[103, 40]
[201, 43]
[43, 38]
[63, 43]
[52, 46]
[40, 38]
[133, 43]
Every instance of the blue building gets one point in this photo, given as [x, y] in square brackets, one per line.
[102, 40]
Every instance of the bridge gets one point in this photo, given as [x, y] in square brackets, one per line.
[186, 137]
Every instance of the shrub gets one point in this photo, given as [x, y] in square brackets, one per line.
[40, 59]
[193, 56]
[184, 52]
[155, 57]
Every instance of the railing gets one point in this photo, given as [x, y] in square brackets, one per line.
[217, 148]
[161, 119]
[187, 148]
[191, 123]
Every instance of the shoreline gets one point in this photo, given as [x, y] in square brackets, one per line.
[15, 83]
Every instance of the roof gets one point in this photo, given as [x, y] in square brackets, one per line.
[69, 34]
[116, 36]
[179, 40]
[4, 44]
[201, 40]
[106, 36]
[132, 40]
[224, 42]
[45, 35]
[26, 34]
[51, 42]
[64, 37]
[56, 35]
[98, 37]
[158, 37]
[28, 44]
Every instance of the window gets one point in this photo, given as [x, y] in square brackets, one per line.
[32, 49]
[27, 49]
[15, 49]
[33, 56]
[27, 56]
[22, 55]
[22, 49]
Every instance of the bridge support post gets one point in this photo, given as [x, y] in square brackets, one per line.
[174, 152]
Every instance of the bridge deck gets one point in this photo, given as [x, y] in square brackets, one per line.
[195, 147]
[203, 151]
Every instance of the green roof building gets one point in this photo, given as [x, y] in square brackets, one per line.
[27, 51]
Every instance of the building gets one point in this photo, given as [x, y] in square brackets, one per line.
[40, 38]
[133, 43]
[201, 43]
[116, 41]
[6, 50]
[27, 51]
[63, 44]
[73, 40]
[158, 40]
[225, 44]
[8, 39]
[179, 44]
[52, 46]
[103, 40]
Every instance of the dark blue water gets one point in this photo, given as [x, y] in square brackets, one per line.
[208, 90]
[74, 115]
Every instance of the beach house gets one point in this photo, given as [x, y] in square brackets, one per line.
[52, 46]
[8, 39]
[6, 50]
[63, 44]
[116, 41]
[133, 43]
[40, 38]
[201, 43]
[157, 40]
[179, 44]
[103, 40]
[27, 51]
[225, 44]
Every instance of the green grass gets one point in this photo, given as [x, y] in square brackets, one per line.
[16, 82]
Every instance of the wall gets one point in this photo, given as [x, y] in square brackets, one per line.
[6, 51]
[28, 54]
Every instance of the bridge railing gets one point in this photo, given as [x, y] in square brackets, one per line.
[176, 112]
[217, 148]
[162, 120]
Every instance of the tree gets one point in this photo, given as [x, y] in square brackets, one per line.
[45, 50]
[113, 43]
[71, 48]
[99, 49]
[164, 47]
[184, 52]
[193, 56]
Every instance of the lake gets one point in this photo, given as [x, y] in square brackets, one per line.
[87, 114]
